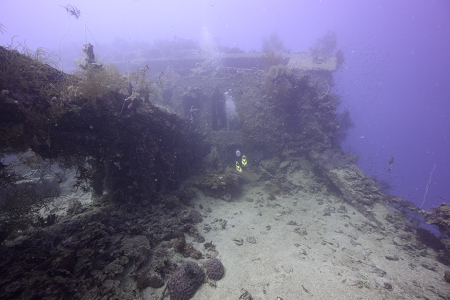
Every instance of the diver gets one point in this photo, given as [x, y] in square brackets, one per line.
[243, 161]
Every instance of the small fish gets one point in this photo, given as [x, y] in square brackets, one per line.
[390, 160]
[361, 137]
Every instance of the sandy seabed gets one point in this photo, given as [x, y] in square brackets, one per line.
[292, 249]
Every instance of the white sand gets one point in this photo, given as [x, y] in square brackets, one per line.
[324, 261]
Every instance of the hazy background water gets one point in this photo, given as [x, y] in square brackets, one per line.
[395, 80]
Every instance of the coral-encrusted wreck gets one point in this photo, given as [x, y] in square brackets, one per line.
[134, 148]
[146, 149]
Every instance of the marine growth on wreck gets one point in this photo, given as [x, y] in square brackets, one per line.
[162, 150]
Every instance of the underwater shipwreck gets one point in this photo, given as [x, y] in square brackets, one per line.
[162, 149]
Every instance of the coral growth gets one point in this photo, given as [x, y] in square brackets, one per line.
[96, 81]
[214, 269]
[441, 218]
[147, 278]
[324, 46]
[62, 116]
[272, 46]
[277, 72]
[427, 238]
[185, 282]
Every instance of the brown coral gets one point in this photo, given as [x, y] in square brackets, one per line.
[179, 244]
[196, 254]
